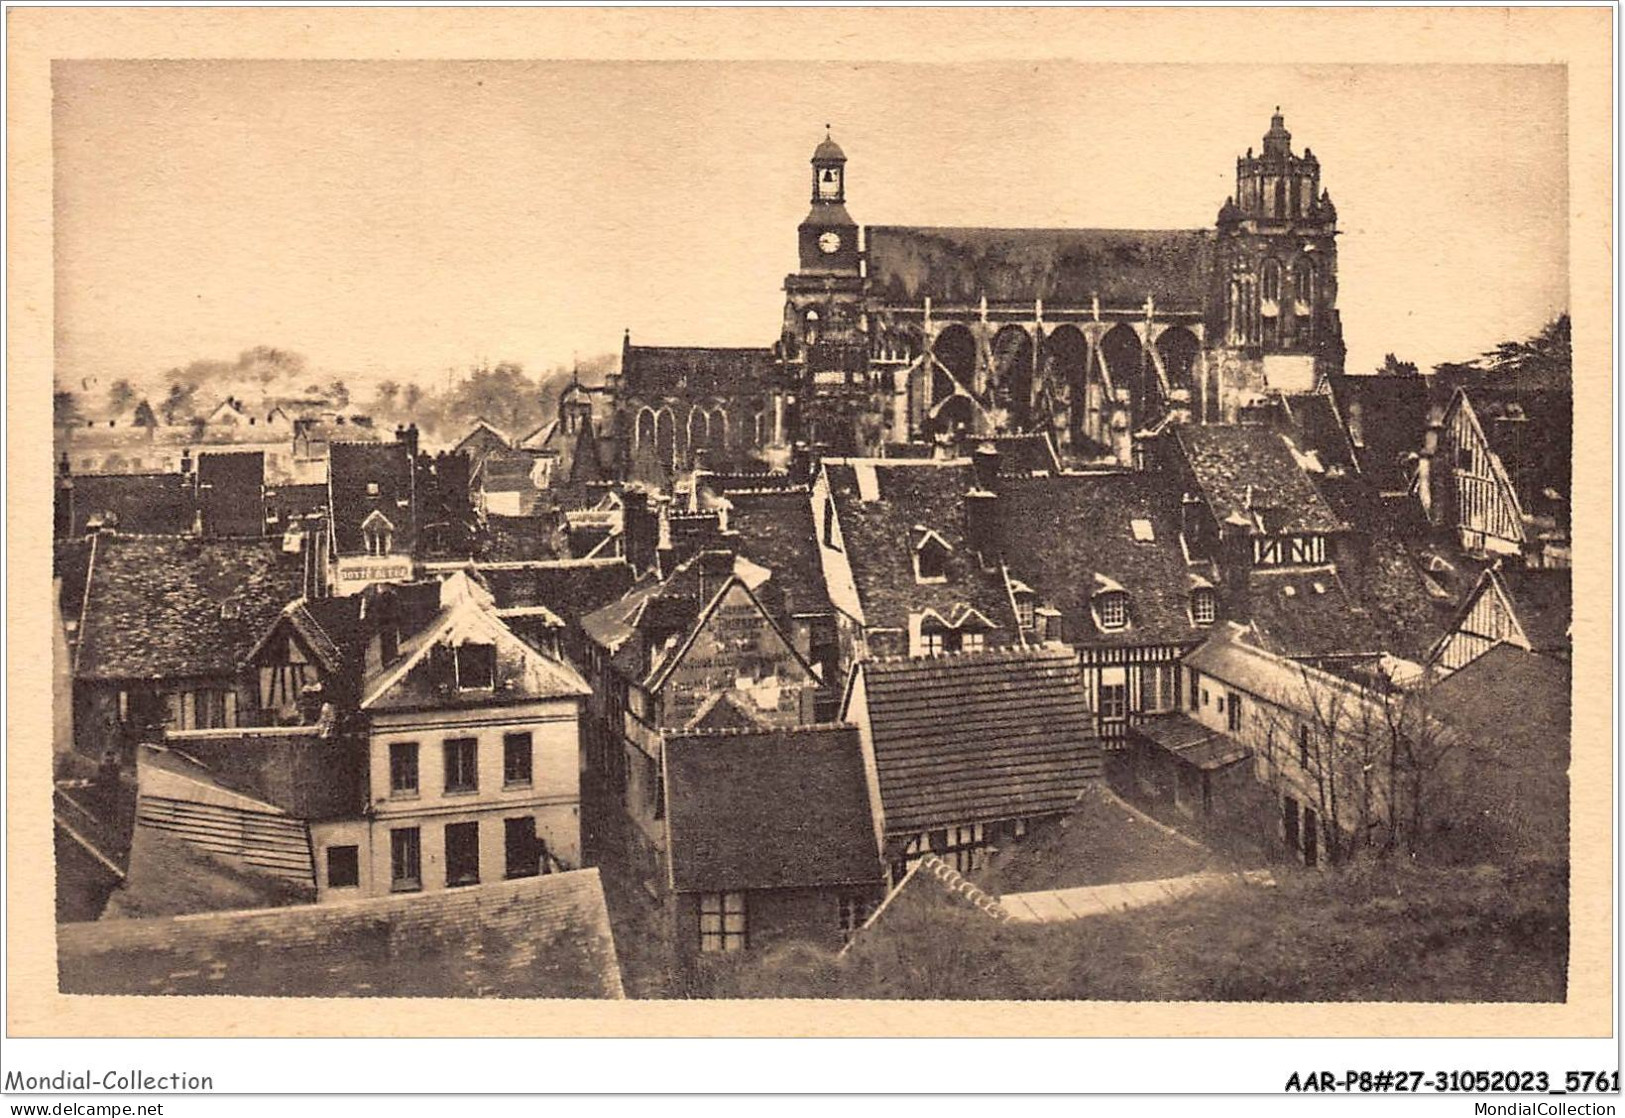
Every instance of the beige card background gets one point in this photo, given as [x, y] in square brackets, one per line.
[1581, 39]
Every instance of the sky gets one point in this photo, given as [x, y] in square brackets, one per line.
[399, 219]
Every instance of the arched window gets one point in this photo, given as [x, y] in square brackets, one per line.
[1272, 281]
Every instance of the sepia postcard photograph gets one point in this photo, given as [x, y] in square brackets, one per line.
[1084, 543]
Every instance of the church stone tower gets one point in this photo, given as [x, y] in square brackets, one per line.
[824, 339]
[1277, 266]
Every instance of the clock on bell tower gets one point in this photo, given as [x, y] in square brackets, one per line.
[829, 236]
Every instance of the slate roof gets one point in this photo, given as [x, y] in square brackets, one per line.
[1059, 266]
[1390, 416]
[879, 537]
[1320, 428]
[1231, 462]
[769, 809]
[70, 562]
[1309, 613]
[351, 467]
[1190, 741]
[231, 493]
[418, 679]
[167, 607]
[1514, 712]
[692, 371]
[776, 530]
[150, 504]
[1532, 432]
[1543, 598]
[1024, 455]
[978, 737]
[539, 937]
[1061, 532]
[289, 503]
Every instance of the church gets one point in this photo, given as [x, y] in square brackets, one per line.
[907, 335]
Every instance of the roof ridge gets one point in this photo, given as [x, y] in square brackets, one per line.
[756, 731]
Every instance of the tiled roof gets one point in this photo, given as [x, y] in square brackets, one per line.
[1003, 734]
[693, 371]
[1308, 613]
[351, 469]
[151, 504]
[231, 493]
[518, 539]
[1252, 472]
[540, 937]
[769, 809]
[1059, 266]
[166, 607]
[1389, 414]
[1061, 532]
[775, 529]
[879, 537]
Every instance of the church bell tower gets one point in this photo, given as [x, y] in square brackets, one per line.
[1278, 254]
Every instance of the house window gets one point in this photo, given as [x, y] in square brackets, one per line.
[377, 537]
[1196, 689]
[852, 911]
[1113, 701]
[965, 847]
[516, 754]
[1303, 746]
[1024, 611]
[829, 523]
[933, 642]
[1113, 609]
[343, 866]
[405, 860]
[403, 768]
[520, 854]
[722, 922]
[462, 771]
[462, 854]
[972, 642]
[476, 666]
[1235, 713]
[1204, 607]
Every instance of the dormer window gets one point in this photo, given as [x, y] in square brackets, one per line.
[1143, 531]
[1111, 608]
[930, 556]
[377, 534]
[1025, 611]
[476, 667]
[372, 489]
[829, 523]
[1204, 605]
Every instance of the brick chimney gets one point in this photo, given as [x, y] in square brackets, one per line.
[640, 529]
[1235, 559]
[409, 436]
[984, 508]
[63, 509]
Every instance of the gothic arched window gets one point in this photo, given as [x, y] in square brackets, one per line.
[1272, 281]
